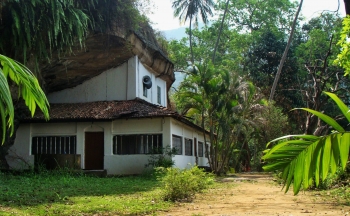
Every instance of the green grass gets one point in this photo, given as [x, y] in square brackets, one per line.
[72, 194]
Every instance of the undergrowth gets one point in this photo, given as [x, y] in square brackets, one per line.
[183, 184]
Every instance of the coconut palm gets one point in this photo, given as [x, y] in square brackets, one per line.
[307, 159]
[28, 88]
[189, 9]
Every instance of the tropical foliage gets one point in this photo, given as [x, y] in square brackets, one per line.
[343, 59]
[49, 26]
[35, 31]
[207, 96]
[307, 159]
[189, 9]
[224, 105]
[28, 88]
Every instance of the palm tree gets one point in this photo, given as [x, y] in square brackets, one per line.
[189, 9]
[28, 88]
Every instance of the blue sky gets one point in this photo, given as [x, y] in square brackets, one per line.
[163, 19]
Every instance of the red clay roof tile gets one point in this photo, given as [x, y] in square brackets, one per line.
[106, 111]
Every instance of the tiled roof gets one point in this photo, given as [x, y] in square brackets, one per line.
[106, 110]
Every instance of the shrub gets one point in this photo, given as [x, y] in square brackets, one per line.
[161, 158]
[182, 185]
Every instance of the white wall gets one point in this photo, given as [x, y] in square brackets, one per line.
[109, 85]
[184, 131]
[114, 164]
[19, 154]
[134, 126]
[152, 92]
[121, 83]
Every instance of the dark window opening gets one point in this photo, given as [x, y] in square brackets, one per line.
[137, 144]
[200, 149]
[54, 145]
[188, 147]
[145, 91]
[159, 95]
[207, 150]
[177, 144]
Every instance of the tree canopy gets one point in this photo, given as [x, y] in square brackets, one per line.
[249, 44]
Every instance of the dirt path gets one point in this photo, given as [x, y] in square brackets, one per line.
[257, 194]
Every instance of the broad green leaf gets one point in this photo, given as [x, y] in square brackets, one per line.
[317, 165]
[335, 154]
[298, 174]
[344, 149]
[29, 90]
[280, 146]
[301, 136]
[308, 156]
[326, 157]
[343, 108]
[290, 175]
[6, 106]
[330, 121]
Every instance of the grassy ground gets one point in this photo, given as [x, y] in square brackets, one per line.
[74, 194]
[62, 193]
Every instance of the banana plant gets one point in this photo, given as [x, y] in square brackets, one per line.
[29, 90]
[307, 159]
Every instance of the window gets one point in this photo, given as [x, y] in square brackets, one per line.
[200, 149]
[145, 91]
[159, 95]
[54, 145]
[207, 150]
[137, 144]
[177, 144]
[188, 147]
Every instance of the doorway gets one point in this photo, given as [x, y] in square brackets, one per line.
[94, 150]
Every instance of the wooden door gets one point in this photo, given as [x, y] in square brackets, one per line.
[94, 150]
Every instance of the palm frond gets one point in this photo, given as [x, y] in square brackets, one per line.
[29, 87]
[308, 159]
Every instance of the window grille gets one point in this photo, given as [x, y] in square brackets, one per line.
[177, 144]
[54, 145]
[188, 147]
[137, 144]
[200, 149]
[207, 150]
[159, 95]
[145, 91]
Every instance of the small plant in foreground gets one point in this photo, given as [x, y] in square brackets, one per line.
[182, 185]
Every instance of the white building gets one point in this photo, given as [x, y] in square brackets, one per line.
[110, 122]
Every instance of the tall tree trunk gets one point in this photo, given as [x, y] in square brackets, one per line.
[190, 35]
[220, 31]
[283, 59]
